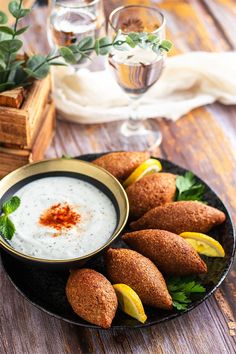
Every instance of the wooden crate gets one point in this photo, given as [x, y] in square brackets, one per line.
[12, 157]
[19, 126]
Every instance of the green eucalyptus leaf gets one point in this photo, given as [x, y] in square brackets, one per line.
[68, 55]
[12, 74]
[34, 61]
[38, 74]
[21, 76]
[4, 36]
[74, 48]
[5, 29]
[104, 46]
[16, 64]
[37, 67]
[97, 46]
[16, 11]
[21, 30]
[57, 63]
[11, 46]
[24, 12]
[86, 43]
[78, 55]
[14, 8]
[3, 18]
[2, 64]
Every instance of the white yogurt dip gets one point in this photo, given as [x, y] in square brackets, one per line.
[95, 225]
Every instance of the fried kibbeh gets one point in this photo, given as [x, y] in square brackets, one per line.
[170, 252]
[140, 273]
[149, 192]
[179, 217]
[121, 164]
[92, 297]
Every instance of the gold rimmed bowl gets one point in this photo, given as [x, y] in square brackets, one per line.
[81, 170]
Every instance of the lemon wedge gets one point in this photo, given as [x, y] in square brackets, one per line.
[146, 168]
[204, 244]
[130, 302]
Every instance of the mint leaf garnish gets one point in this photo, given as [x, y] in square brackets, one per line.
[7, 228]
[11, 205]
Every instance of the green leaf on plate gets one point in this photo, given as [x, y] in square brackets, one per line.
[188, 188]
[7, 228]
[11, 205]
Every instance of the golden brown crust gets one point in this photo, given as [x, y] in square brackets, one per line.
[149, 192]
[122, 164]
[131, 268]
[179, 217]
[92, 297]
[170, 252]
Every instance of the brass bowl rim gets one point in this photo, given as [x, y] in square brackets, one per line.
[114, 235]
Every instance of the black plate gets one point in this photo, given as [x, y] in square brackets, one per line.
[46, 290]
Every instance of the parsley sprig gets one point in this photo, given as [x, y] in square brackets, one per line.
[7, 228]
[188, 188]
[181, 290]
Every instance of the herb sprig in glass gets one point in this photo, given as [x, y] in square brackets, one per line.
[15, 72]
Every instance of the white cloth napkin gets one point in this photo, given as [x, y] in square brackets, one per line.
[189, 80]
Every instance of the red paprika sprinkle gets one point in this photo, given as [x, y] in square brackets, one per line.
[59, 216]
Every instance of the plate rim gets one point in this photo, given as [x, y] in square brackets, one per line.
[155, 322]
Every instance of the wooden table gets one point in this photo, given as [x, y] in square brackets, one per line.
[203, 141]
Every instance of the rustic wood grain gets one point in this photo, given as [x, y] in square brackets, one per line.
[25, 121]
[12, 157]
[203, 141]
[12, 98]
[223, 13]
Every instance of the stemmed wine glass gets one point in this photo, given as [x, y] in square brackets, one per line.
[136, 69]
[72, 20]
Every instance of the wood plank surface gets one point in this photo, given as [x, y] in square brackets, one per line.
[203, 141]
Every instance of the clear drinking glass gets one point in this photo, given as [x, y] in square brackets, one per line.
[136, 69]
[72, 20]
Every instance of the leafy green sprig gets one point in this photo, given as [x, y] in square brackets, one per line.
[181, 291]
[188, 188]
[7, 228]
[14, 72]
